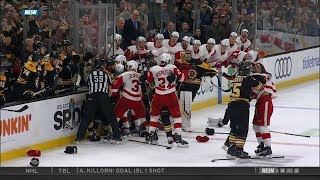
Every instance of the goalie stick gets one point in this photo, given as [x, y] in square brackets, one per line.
[253, 158]
[161, 145]
[25, 107]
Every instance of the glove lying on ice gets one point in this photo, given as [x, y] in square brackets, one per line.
[212, 122]
[202, 138]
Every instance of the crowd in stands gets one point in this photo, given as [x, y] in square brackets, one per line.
[25, 38]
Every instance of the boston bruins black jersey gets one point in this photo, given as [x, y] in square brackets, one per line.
[242, 86]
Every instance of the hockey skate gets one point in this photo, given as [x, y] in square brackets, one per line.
[179, 141]
[259, 148]
[226, 146]
[265, 152]
[241, 154]
[94, 138]
[152, 138]
[170, 141]
[126, 133]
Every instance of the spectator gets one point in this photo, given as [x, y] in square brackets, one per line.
[247, 24]
[185, 31]
[205, 17]
[131, 30]
[215, 30]
[143, 9]
[28, 50]
[226, 26]
[198, 35]
[126, 11]
[165, 17]
[185, 16]
[167, 32]
[119, 25]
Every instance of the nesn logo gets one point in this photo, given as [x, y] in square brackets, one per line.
[30, 12]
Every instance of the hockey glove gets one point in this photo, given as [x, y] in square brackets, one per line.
[171, 78]
[143, 78]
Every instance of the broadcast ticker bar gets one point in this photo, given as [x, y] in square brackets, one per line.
[159, 171]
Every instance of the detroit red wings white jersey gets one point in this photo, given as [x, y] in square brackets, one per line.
[237, 56]
[206, 54]
[196, 54]
[172, 48]
[132, 53]
[118, 51]
[188, 48]
[217, 56]
[231, 47]
[269, 86]
[159, 75]
[243, 46]
[152, 46]
[131, 85]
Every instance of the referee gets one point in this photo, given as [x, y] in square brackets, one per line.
[99, 83]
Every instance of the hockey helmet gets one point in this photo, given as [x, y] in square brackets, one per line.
[197, 42]
[244, 69]
[36, 56]
[120, 59]
[118, 37]
[54, 55]
[141, 39]
[244, 30]
[39, 44]
[165, 58]
[159, 36]
[99, 63]
[119, 68]
[132, 65]
[175, 34]
[187, 39]
[211, 41]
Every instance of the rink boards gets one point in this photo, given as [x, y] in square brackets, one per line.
[53, 122]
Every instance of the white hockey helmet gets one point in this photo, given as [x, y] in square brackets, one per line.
[211, 41]
[119, 68]
[187, 39]
[159, 36]
[245, 30]
[118, 37]
[175, 33]
[120, 59]
[141, 39]
[132, 65]
[165, 58]
[233, 34]
[197, 42]
[225, 42]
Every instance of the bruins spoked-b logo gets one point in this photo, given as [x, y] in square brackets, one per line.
[67, 115]
[283, 67]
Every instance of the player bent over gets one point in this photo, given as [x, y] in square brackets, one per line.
[263, 112]
[241, 87]
[164, 76]
[130, 96]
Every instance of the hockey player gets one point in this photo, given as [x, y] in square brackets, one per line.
[196, 52]
[137, 52]
[219, 56]
[118, 42]
[207, 49]
[130, 96]
[231, 43]
[185, 43]
[243, 43]
[172, 45]
[263, 112]
[157, 45]
[237, 57]
[242, 86]
[165, 96]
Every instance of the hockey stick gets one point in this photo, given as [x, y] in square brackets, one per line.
[219, 85]
[204, 132]
[133, 140]
[290, 134]
[39, 92]
[25, 107]
[254, 158]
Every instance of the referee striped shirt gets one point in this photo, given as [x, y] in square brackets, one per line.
[99, 81]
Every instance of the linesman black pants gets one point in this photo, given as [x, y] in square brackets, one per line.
[239, 118]
[99, 103]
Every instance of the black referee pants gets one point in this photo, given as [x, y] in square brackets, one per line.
[99, 103]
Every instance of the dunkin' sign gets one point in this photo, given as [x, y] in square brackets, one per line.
[15, 125]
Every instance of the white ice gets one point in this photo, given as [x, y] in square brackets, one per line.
[296, 111]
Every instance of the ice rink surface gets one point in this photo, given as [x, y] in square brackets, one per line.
[296, 111]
